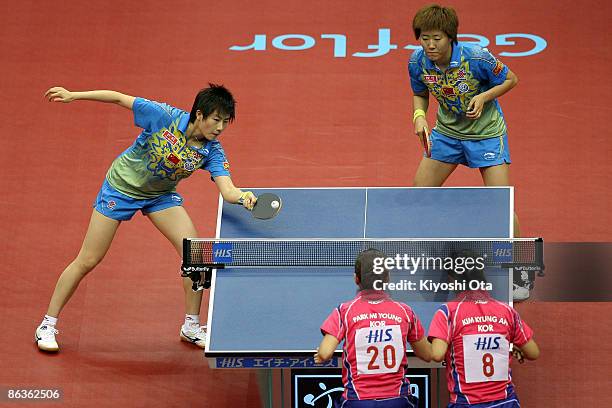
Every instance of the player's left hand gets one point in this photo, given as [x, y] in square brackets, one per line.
[248, 200]
[317, 358]
[475, 107]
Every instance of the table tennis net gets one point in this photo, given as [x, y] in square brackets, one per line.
[343, 252]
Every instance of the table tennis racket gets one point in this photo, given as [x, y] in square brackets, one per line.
[426, 142]
[267, 206]
[518, 355]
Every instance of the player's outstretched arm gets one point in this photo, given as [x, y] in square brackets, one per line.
[233, 194]
[438, 350]
[422, 349]
[530, 350]
[326, 349]
[59, 94]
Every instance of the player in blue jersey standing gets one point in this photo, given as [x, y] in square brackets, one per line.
[466, 80]
[172, 145]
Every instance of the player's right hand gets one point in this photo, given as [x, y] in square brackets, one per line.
[518, 355]
[247, 199]
[59, 94]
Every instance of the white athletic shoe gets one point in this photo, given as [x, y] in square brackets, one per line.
[195, 334]
[45, 338]
[520, 293]
[522, 287]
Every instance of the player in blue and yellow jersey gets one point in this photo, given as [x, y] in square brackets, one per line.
[466, 80]
[173, 145]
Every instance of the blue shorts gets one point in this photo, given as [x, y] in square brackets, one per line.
[121, 207]
[397, 402]
[510, 402]
[472, 153]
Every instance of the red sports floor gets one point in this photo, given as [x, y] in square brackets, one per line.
[304, 118]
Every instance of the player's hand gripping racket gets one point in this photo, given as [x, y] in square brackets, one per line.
[426, 142]
[518, 355]
[267, 206]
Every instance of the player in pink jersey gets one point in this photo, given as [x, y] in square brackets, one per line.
[473, 334]
[375, 330]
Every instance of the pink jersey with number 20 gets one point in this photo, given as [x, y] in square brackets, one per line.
[375, 330]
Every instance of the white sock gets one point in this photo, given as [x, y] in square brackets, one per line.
[49, 320]
[191, 320]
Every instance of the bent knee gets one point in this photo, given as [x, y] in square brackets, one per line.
[86, 263]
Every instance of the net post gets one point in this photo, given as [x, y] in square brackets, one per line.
[539, 255]
[186, 250]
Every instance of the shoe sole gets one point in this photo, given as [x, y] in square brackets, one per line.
[43, 348]
[189, 340]
[521, 298]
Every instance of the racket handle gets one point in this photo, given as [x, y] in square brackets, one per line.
[426, 142]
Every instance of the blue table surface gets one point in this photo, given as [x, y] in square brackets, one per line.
[281, 309]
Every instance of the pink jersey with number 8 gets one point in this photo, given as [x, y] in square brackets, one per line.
[478, 330]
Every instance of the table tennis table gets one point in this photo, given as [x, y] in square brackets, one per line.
[263, 317]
